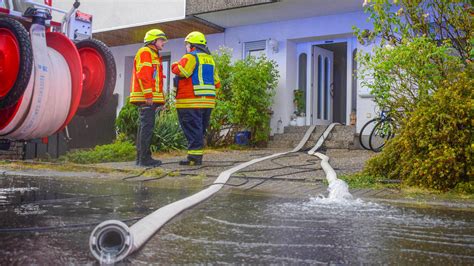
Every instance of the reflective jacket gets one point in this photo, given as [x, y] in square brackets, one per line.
[198, 80]
[147, 77]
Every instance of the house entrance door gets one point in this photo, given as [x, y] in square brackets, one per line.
[323, 87]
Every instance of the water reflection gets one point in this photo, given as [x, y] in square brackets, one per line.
[63, 204]
[229, 228]
[243, 229]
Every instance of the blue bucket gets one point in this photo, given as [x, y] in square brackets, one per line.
[242, 138]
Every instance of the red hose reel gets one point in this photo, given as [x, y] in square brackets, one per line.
[92, 77]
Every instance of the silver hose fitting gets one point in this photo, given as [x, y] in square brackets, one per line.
[111, 241]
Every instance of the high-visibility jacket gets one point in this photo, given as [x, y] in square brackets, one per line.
[147, 77]
[198, 80]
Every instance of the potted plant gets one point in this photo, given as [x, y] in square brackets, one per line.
[300, 106]
[293, 120]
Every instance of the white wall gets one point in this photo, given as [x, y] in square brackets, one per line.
[114, 14]
[365, 103]
[288, 34]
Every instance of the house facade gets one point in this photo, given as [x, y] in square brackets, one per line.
[310, 40]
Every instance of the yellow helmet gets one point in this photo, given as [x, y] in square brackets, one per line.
[154, 34]
[196, 37]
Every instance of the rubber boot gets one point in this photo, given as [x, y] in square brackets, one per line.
[150, 163]
[192, 160]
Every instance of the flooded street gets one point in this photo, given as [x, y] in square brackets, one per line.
[48, 221]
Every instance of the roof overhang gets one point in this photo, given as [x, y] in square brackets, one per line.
[280, 11]
[173, 29]
[195, 7]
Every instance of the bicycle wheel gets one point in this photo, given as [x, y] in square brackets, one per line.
[365, 133]
[381, 133]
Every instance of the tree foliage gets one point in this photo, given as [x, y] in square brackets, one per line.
[400, 77]
[421, 42]
[398, 21]
[421, 70]
[435, 147]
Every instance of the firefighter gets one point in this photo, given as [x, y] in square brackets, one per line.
[196, 94]
[146, 92]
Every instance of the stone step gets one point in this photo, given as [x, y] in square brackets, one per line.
[339, 132]
[280, 144]
[337, 144]
[289, 144]
[297, 136]
[341, 137]
[293, 129]
[303, 129]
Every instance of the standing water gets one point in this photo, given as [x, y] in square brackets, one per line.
[229, 228]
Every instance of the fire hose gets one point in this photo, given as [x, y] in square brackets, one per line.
[46, 102]
[54, 79]
[112, 240]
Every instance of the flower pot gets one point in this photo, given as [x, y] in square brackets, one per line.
[300, 121]
[293, 123]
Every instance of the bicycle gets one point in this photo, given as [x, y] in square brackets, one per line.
[381, 130]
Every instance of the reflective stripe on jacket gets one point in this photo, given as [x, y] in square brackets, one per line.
[203, 75]
[198, 81]
[147, 77]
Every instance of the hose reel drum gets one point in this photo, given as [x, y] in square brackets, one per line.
[49, 71]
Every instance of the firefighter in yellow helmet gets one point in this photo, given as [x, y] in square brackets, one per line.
[146, 92]
[196, 93]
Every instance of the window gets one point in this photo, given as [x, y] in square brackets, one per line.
[302, 74]
[127, 77]
[327, 93]
[166, 72]
[256, 48]
[320, 90]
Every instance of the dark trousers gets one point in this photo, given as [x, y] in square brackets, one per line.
[145, 131]
[194, 122]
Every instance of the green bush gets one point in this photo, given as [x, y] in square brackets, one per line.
[422, 71]
[253, 85]
[245, 99]
[435, 147]
[116, 152]
[167, 134]
[465, 187]
[221, 116]
[127, 121]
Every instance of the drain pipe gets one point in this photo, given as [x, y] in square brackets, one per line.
[112, 240]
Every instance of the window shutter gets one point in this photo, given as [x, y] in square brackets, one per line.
[254, 46]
